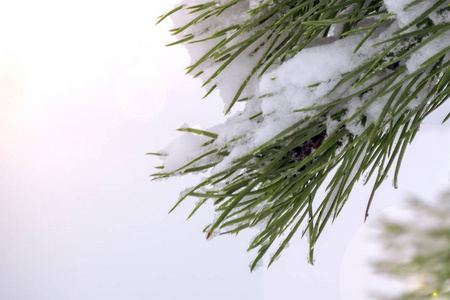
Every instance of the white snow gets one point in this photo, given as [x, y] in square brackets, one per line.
[407, 15]
[311, 66]
[443, 17]
[428, 51]
[182, 150]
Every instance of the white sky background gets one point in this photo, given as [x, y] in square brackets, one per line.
[86, 89]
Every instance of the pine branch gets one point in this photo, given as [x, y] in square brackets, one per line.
[338, 136]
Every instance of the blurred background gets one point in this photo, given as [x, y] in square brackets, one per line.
[86, 89]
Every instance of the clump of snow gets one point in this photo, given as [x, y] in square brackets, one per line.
[406, 15]
[231, 78]
[315, 65]
[441, 17]
[312, 66]
[430, 49]
[182, 150]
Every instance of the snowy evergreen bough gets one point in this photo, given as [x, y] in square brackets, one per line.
[330, 92]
